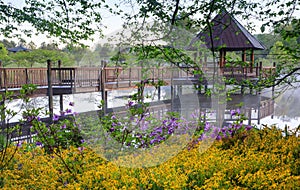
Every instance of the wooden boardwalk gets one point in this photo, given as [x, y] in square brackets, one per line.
[92, 79]
[77, 80]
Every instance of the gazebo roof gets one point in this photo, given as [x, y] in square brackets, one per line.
[228, 34]
[18, 49]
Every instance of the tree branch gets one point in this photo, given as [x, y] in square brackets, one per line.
[280, 80]
[175, 13]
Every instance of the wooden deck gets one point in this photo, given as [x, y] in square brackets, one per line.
[78, 80]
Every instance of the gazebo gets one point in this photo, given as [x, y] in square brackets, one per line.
[227, 34]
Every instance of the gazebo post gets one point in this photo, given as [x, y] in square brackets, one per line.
[222, 58]
[244, 58]
[252, 61]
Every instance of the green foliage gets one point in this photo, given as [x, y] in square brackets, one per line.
[38, 58]
[3, 53]
[68, 21]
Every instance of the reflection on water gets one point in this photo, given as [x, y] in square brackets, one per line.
[286, 111]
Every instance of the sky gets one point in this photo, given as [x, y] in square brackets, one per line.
[113, 23]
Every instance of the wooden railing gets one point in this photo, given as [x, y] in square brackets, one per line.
[16, 77]
[240, 72]
[82, 77]
[87, 77]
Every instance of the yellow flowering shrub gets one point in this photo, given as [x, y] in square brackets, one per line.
[262, 159]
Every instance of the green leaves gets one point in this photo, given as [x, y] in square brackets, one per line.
[71, 21]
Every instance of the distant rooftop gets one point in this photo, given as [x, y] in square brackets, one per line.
[18, 49]
[228, 34]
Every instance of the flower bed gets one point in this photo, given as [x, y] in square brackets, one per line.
[263, 159]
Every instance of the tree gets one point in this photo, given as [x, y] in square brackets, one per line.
[49, 46]
[32, 45]
[71, 21]
[268, 39]
[22, 42]
[3, 53]
[39, 57]
[78, 53]
[8, 44]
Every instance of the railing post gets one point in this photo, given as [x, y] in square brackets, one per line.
[5, 79]
[130, 77]
[172, 89]
[61, 98]
[59, 72]
[26, 76]
[74, 79]
[273, 85]
[50, 90]
[256, 69]
[1, 74]
[117, 74]
[2, 102]
[103, 92]
[260, 69]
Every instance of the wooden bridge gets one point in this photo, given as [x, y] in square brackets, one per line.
[84, 79]
[91, 79]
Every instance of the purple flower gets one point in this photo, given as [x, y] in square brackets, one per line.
[71, 104]
[55, 117]
[68, 111]
[158, 130]
[219, 137]
[130, 104]
[62, 113]
[207, 127]
[235, 112]
[224, 129]
[63, 127]
[249, 127]
[113, 117]
[144, 126]
[38, 143]
[82, 140]
[224, 135]
[139, 136]
[170, 131]
[112, 129]
[216, 130]
[30, 118]
[232, 112]
[152, 141]
[213, 135]
[19, 144]
[237, 126]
